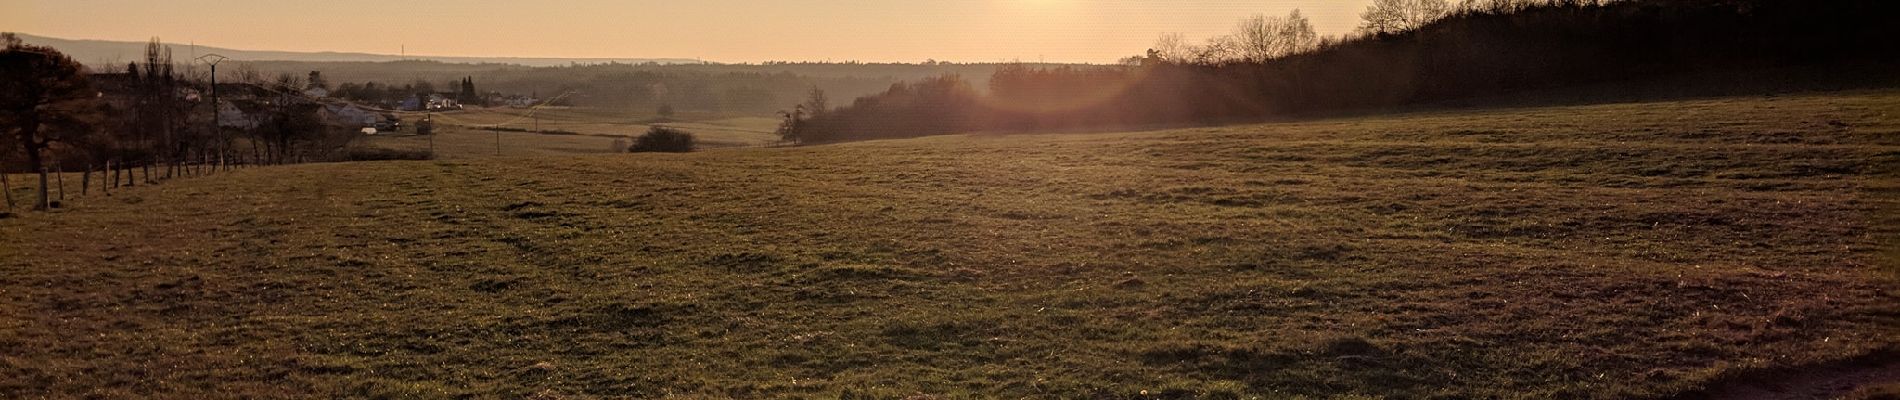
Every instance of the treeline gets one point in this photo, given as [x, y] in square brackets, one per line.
[734, 89]
[1408, 52]
[391, 96]
[146, 123]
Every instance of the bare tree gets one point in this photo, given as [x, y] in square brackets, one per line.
[1174, 47]
[1257, 38]
[1261, 38]
[1386, 17]
[1297, 35]
[247, 74]
[1218, 50]
[816, 102]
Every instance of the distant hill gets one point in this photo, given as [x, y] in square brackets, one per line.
[99, 51]
[620, 84]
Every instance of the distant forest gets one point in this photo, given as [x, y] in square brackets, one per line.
[732, 89]
[1408, 52]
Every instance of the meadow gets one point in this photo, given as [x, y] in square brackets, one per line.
[1704, 248]
[507, 132]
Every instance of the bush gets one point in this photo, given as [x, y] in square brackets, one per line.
[663, 140]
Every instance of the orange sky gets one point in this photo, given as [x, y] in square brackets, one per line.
[1098, 31]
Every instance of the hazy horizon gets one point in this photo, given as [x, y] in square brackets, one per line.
[1085, 31]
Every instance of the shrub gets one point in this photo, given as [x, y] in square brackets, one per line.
[664, 140]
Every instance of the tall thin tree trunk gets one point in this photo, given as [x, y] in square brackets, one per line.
[85, 181]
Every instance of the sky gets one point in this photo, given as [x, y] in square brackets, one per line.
[1095, 31]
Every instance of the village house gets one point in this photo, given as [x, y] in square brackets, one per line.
[240, 114]
[439, 102]
[349, 116]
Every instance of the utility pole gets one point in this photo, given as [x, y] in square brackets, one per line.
[214, 59]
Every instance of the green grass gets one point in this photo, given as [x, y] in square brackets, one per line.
[1612, 251]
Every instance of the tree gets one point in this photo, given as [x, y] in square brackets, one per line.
[1493, 6]
[316, 81]
[816, 102]
[1218, 50]
[422, 88]
[1385, 17]
[665, 111]
[663, 140]
[1260, 38]
[1174, 48]
[247, 74]
[466, 93]
[161, 133]
[291, 121]
[791, 128]
[43, 96]
[1257, 39]
[1297, 35]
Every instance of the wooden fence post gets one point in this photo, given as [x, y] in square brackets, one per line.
[6, 187]
[59, 172]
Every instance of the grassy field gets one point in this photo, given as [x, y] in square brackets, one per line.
[1704, 247]
[457, 142]
[711, 130]
[454, 141]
